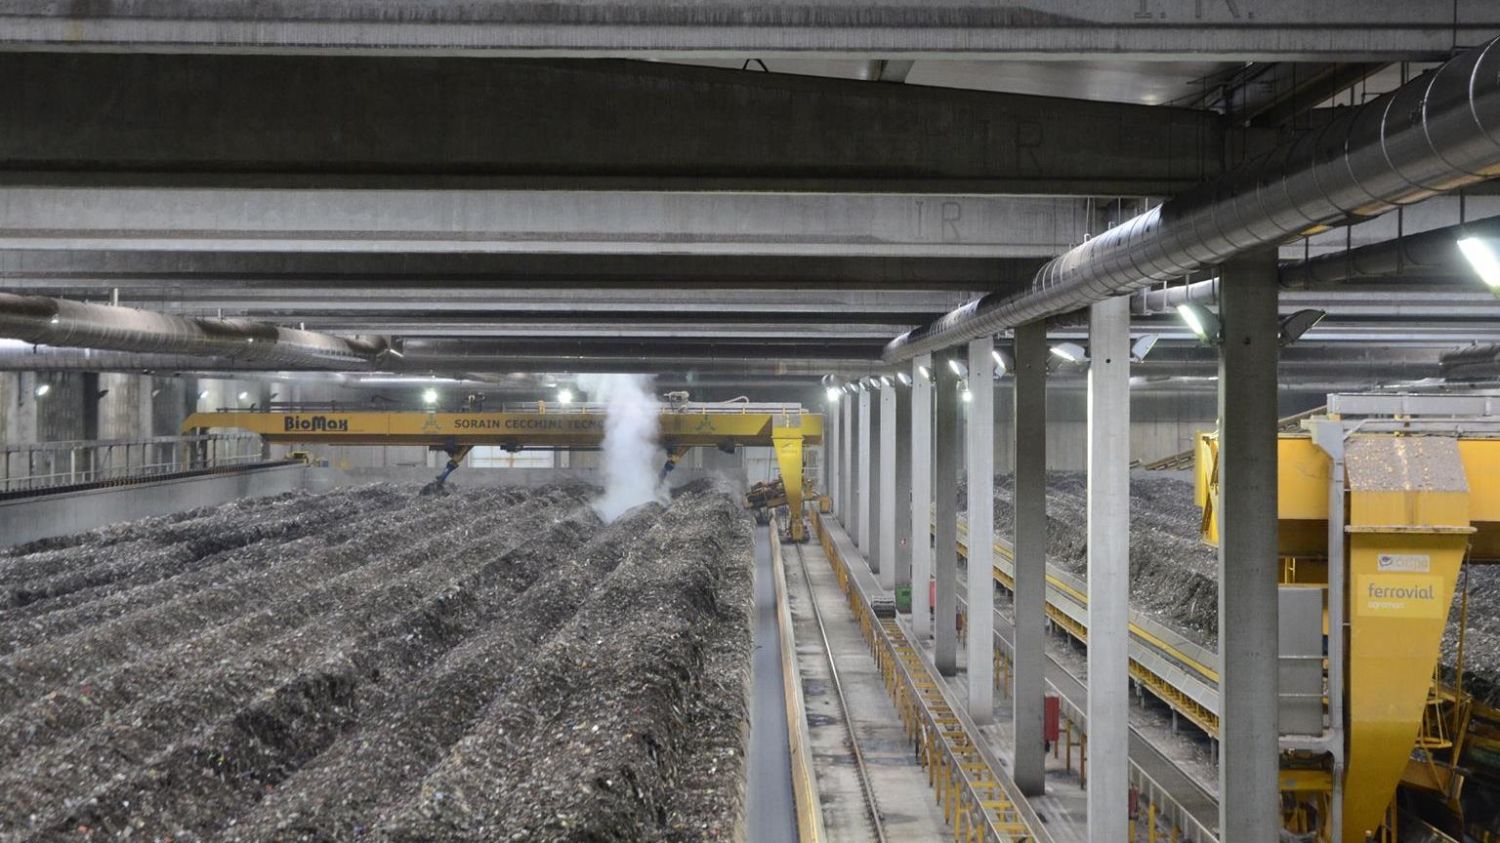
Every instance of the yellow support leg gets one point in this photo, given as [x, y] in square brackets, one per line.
[788, 442]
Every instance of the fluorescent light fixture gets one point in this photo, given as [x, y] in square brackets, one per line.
[1299, 323]
[1481, 256]
[244, 396]
[926, 372]
[54, 320]
[1071, 352]
[429, 396]
[405, 379]
[967, 396]
[394, 353]
[885, 380]
[42, 389]
[904, 378]
[1003, 363]
[957, 367]
[1202, 322]
[833, 395]
[565, 396]
[1142, 347]
[202, 394]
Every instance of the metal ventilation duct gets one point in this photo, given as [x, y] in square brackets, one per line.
[1435, 134]
[1479, 362]
[59, 322]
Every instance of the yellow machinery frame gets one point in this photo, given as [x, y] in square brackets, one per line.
[787, 429]
[1421, 499]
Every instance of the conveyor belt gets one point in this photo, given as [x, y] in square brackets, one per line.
[769, 794]
[1181, 673]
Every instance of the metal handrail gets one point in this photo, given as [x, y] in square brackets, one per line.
[43, 465]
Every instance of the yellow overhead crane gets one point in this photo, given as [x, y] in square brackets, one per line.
[785, 427]
[1411, 484]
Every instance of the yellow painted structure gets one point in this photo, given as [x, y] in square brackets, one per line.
[696, 425]
[1418, 505]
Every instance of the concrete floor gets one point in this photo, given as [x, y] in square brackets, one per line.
[906, 803]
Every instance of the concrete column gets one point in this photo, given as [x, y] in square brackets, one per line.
[900, 562]
[980, 431]
[946, 448]
[846, 461]
[122, 412]
[1248, 616]
[832, 486]
[921, 494]
[885, 500]
[1109, 570]
[864, 482]
[1029, 456]
[870, 514]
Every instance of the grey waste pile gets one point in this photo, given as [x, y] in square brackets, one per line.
[628, 724]
[1481, 640]
[1173, 575]
[298, 668]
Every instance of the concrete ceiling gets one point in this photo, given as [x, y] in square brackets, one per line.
[800, 185]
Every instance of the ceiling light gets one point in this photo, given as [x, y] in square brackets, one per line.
[1003, 363]
[429, 396]
[1071, 352]
[926, 372]
[244, 396]
[885, 380]
[1202, 322]
[957, 367]
[1142, 347]
[904, 378]
[833, 395]
[967, 396]
[202, 394]
[394, 353]
[54, 320]
[1481, 256]
[42, 389]
[565, 396]
[1299, 323]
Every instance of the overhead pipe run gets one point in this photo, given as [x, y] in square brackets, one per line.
[1436, 134]
[60, 322]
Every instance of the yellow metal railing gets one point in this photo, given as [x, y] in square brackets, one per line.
[1157, 684]
[970, 791]
[804, 780]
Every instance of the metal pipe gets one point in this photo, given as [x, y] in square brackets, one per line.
[1435, 134]
[1429, 254]
[60, 322]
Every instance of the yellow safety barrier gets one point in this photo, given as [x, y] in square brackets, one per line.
[1158, 685]
[971, 793]
[804, 781]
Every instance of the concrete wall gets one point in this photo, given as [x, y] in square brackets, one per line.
[45, 516]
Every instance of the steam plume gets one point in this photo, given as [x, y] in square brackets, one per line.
[630, 432]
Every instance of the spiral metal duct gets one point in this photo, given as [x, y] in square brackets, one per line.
[1433, 135]
[59, 322]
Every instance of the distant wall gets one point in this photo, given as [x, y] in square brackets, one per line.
[45, 516]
